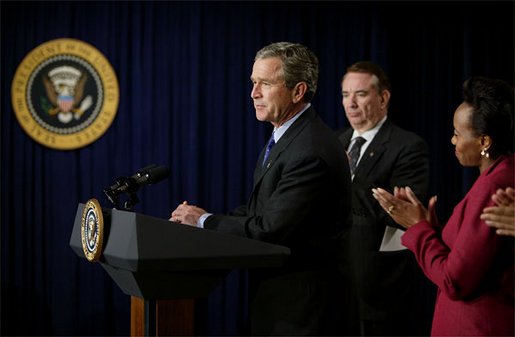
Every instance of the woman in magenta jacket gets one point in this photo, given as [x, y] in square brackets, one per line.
[471, 265]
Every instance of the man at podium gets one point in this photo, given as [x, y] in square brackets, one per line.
[301, 198]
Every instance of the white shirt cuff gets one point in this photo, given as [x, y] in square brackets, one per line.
[203, 217]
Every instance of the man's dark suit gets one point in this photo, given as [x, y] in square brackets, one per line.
[301, 199]
[389, 284]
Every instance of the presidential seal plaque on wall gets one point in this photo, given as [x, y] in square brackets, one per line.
[92, 230]
[65, 94]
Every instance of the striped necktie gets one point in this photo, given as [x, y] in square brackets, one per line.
[354, 153]
[269, 147]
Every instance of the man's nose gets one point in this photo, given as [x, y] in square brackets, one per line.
[255, 91]
[351, 101]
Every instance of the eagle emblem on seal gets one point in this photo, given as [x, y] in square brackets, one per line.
[64, 87]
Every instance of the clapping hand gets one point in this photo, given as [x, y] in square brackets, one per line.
[404, 207]
[501, 216]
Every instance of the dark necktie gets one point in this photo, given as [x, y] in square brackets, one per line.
[269, 147]
[354, 153]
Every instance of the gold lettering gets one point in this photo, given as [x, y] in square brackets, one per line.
[51, 49]
[70, 47]
[20, 102]
[49, 139]
[18, 86]
[84, 51]
[37, 56]
[111, 96]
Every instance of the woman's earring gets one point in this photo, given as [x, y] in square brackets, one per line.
[485, 153]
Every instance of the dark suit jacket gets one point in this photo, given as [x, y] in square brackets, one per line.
[301, 199]
[386, 281]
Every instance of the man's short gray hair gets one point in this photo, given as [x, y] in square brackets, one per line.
[299, 64]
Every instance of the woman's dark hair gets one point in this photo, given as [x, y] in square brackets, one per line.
[492, 103]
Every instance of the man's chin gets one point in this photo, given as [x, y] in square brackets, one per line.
[261, 117]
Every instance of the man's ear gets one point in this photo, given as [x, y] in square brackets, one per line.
[299, 91]
[385, 98]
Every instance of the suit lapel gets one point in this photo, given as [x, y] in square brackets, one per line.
[282, 144]
[345, 137]
[375, 150]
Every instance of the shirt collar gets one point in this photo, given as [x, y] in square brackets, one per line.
[369, 134]
[279, 132]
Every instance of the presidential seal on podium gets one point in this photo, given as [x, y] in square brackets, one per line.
[92, 230]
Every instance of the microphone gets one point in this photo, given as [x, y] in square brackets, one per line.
[147, 175]
[150, 175]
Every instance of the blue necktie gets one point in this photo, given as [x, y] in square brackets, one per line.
[354, 153]
[269, 147]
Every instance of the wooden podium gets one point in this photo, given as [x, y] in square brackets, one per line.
[164, 266]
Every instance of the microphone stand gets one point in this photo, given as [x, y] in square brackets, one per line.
[113, 194]
[131, 202]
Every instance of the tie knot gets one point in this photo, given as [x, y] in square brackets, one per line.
[358, 141]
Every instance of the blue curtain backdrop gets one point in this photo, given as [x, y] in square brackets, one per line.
[183, 70]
